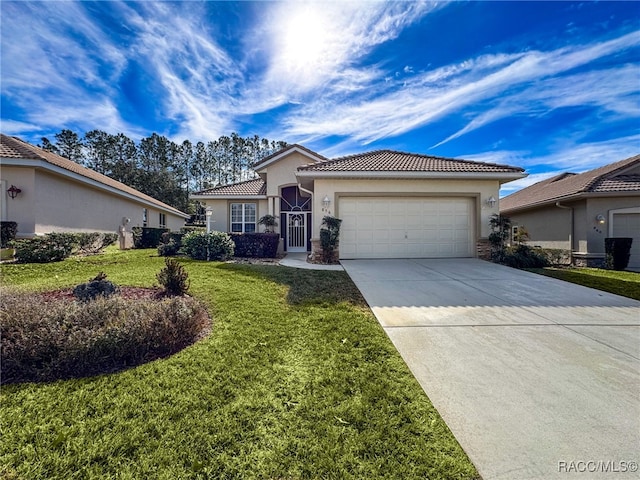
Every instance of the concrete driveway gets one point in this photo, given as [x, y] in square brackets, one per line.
[537, 378]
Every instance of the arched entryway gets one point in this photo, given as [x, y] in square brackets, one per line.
[295, 218]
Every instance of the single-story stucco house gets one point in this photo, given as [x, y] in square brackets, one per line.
[392, 204]
[577, 212]
[44, 192]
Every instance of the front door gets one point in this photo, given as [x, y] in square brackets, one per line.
[296, 232]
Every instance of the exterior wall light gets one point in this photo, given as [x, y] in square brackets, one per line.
[209, 213]
[600, 219]
[326, 201]
[13, 191]
[491, 201]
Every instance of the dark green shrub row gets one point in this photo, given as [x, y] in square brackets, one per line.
[258, 245]
[524, 256]
[54, 247]
[8, 232]
[208, 246]
[50, 340]
[147, 237]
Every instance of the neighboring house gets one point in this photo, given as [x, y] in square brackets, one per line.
[392, 204]
[58, 195]
[577, 212]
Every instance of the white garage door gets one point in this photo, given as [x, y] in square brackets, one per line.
[628, 225]
[392, 227]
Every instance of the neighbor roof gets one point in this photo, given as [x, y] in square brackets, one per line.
[611, 178]
[249, 187]
[14, 148]
[392, 161]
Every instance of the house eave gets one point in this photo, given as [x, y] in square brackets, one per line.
[571, 198]
[502, 176]
[259, 168]
[227, 197]
[44, 165]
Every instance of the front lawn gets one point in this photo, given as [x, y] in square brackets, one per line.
[297, 380]
[626, 284]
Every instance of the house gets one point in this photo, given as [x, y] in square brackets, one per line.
[392, 204]
[577, 212]
[44, 192]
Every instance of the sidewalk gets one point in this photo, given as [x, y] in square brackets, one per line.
[299, 260]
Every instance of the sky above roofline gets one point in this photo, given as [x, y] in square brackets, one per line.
[547, 86]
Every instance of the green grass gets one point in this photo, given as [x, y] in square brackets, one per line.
[626, 284]
[297, 380]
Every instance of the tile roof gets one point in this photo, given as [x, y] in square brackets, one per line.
[249, 187]
[392, 161]
[12, 147]
[611, 178]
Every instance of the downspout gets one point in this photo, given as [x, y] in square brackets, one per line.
[571, 234]
[302, 189]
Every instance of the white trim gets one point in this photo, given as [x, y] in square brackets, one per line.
[286, 153]
[43, 164]
[402, 175]
[619, 211]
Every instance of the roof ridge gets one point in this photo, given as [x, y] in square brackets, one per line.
[622, 164]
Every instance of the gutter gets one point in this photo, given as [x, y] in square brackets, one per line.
[571, 234]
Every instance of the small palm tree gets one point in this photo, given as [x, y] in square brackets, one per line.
[269, 221]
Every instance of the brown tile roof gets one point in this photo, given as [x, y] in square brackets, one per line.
[249, 187]
[392, 161]
[284, 150]
[611, 178]
[12, 147]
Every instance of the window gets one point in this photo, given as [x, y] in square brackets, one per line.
[163, 220]
[243, 217]
[145, 217]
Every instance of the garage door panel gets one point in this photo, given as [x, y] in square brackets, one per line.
[399, 227]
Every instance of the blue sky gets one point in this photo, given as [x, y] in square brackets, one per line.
[548, 86]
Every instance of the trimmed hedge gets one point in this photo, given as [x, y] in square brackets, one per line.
[50, 340]
[208, 246]
[52, 247]
[8, 232]
[94, 242]
[147, 237]
[258, 245]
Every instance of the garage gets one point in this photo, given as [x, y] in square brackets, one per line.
[628, 225]
[406, 227]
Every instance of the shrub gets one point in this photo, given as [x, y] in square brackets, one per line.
[50, 340]
[97, 287]
[8, 232]
[95, 242]
[523, 256]
[329, 237]
[170, 245]
[52, 247]
[269, 222]
[189, 229]
[147, 237]
[618, 252]
[557, 256]
[174, 278]
[208, 246]
[258, 245]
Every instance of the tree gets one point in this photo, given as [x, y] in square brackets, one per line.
[69, 146]
[47, 145]
[99, 151]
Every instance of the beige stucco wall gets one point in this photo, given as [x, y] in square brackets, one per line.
[54, 203]
[596, 233]
[220, 218]
[283, 172]
[21, 208]
[480, 190]
[551, 230]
